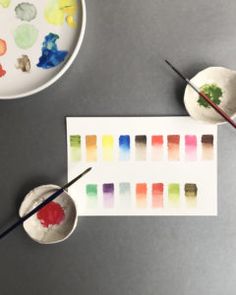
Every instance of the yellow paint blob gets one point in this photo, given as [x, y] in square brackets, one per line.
[5, 3]
[57, 11]
[71, 21]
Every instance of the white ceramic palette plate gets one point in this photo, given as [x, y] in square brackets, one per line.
[26, 37]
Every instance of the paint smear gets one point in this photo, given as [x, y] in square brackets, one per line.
[25, 36]
[26, 11]
[157, 195]
[125, 195]
[140, 147]
[141, 195]
[91, 148]
[173, 194]
[23, 63]
[157, 147]
[191, 147]
[51, 214]
[5, 3]
[75, 148]
[3, 47]
[51, 56]
[2, 71]
[58, 11]
[108, 147]
[108, 195]
[173, 147]
[92, 195]
[190, 190]
[213, 91]
[124, 145]
[207, 147]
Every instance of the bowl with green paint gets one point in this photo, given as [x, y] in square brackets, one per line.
[219, 84]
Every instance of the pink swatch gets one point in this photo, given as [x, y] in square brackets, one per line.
[190, 147]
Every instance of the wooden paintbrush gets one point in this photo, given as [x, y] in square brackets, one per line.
[43, 204]
[204, 96]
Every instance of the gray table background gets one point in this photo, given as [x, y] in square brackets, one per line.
[119, 71]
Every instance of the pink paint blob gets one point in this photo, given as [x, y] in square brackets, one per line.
[191, 147]
[2, 71]
[51, 214]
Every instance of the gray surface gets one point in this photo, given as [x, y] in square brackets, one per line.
[119, 71]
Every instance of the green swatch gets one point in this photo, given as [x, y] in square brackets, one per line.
[75, 148]
[91, 192]
[173, 193]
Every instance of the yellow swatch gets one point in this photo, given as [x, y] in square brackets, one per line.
[108, 147]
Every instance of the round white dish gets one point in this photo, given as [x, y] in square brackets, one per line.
[223, 80]
[16, 83]
[53, 233]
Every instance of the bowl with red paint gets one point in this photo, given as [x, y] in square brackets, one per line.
[55, 222]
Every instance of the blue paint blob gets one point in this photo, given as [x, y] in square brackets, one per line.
[124, 144]
[51, 56]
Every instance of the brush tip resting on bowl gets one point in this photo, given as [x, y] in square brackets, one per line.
[219, 84]
[53, 223]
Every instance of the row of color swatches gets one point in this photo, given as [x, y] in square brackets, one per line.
[124, 195]
[139, 144]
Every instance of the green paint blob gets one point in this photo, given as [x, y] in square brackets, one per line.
[25, 36]
[213, 91]
[5, 3]
[25, 11]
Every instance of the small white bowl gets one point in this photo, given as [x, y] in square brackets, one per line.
[225, 80]
[53, 233]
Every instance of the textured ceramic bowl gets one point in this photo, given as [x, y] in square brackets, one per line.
[218, 82]
[53, 233]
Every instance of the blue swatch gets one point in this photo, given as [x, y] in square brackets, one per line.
[124, 144]
[51, 56]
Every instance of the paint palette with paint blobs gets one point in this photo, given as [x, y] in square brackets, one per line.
[39, 40]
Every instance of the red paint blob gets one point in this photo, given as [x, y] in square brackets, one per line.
[51, 214]
[2, 71]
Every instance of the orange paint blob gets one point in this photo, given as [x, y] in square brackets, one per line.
[3, 47]
[51, 214]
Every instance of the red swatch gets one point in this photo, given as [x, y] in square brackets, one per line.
[157, 140]
[157, 195]
[2, 71]
[51, 214]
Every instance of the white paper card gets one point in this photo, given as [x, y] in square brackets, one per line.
[143, 165]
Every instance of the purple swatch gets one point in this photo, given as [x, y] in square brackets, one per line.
[108, 195]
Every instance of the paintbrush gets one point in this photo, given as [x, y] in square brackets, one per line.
[204, 96]
[43, 204]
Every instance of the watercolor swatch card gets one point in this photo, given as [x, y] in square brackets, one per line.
[143, 165]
